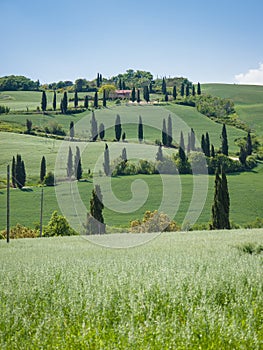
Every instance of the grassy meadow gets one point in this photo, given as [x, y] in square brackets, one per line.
[182, 290]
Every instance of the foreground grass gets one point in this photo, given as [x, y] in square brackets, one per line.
[185, 291]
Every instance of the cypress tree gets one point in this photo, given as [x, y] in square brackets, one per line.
[28, 126]
[221, 204]
[76, 99]
[193, 90]
[70, 164]
[98, 80]
[224, 141]
[120, 84]
[138, 96]
[169, 132]
[123, 136]
[242, 155]
[187, 90]
[64, 103]
[102, 131]
[44, 101]
[189, 143]
[207, 141]
[86, 102]
[23, 177]
[55, 101]
[71, 130]
[104, 99]
[166, 98]
[182, 89]
[124, 155]
[106, 164]
[20, 173]
[203, 144]
[95, 220]
[77, 165]
[164, 133]
[42, 169]
[133, 95]
[199, 89]
[94, 127]
[182, 155]
[182, 141]
[13, 172]
[212, 151]
[118, 128]
[164, 90]
[159, 154]
[96, 101]
[123, 85]
[140, 130]
[192, 136]
[249, 144]
[174, 92]
[146, 94]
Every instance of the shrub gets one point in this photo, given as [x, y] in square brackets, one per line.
[258, 223]
[146, 167]
[58, 226]
[153, 222]
[49, 179]
[251, 162]
[167, 166]
[20, 231]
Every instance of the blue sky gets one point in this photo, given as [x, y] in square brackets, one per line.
[205, 40]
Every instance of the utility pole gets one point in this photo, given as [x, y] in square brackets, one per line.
[8, 205]
[41, 213]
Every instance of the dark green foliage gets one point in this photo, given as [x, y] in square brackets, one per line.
[20, 172]
[164, 133]
[28, 126]
[86, 102]
[123, 136]
[95, 220]
[96, 100]
[76, 99]
[94, 127]
[192, 140]
[242, 155]
[77, 164]
[98, 80]
[249, 145]
[215, 108]
[199, 89]
[164, 90]
[140, 130]
[221, 204]
[212, 151]
[203, 144]
[138, 96]
[54, 101]
[106, 164]
[182, 162]
[193, 90]
[58, 226]
[44, 101]
[224, 141]
[182, 89]
[18, 83]
[70, 164]
[182, 154]
[174, 92]
[181, 144]
[159, 154]
[118, 128]
[104, 101]
[120, 85]
[49, 179]
[124, 155]
[71, 130]
[146, 94]
[64, 103]
[42, 169]
[102, 131]
[4, 109]
[187, 90]
[133, 95]
[166, 98]
[169, 132]
[13, 173]
[207, 142]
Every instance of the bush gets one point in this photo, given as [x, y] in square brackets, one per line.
[146, 167]
[258, 223]
[153, 222]
[49, 179]
[229, 165]
[20, 231]
[251, 162]
[167, 166]
[58, 226]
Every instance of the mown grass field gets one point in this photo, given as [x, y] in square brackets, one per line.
[248, 100]
[181, 290]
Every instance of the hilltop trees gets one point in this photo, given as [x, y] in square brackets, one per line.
[140, 130]
[221, 204]
[44, 102]
[95, 220]
[42, 169]
[199, 89]
[118, 128]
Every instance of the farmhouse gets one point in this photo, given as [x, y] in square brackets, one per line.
[120, 94]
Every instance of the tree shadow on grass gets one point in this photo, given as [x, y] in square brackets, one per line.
[26, 189]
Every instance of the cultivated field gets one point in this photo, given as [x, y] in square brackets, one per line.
[181, 290]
